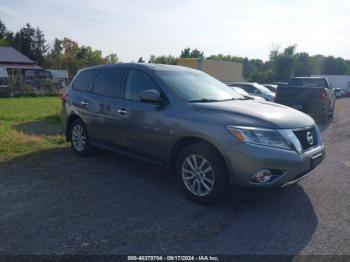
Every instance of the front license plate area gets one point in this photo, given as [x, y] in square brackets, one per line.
[316, 160]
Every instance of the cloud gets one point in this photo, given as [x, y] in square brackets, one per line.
[8, 13]
[134, 28]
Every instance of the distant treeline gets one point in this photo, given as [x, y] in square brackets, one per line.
[64, 54]
[67, 54]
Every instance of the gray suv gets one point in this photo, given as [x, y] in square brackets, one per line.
[211, 136]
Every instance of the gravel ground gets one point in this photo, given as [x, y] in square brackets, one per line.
[56, 203]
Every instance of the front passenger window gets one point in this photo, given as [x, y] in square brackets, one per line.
[137, 82]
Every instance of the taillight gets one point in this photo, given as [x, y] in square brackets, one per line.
[324, 96]
[64, 95]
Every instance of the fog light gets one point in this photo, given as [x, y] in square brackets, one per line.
[262, 176]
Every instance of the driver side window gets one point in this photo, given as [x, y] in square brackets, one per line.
[137, 81]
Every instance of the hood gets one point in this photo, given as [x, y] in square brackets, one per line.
[257, 98]
[255, 113]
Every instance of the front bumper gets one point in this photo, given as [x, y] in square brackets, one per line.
[288, 166]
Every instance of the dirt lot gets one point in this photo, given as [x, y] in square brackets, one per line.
[53, 202]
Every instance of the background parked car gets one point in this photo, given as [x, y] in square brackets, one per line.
[245, 94]
[339, 92]
[311, 95]
[271, 87]
[255, 89]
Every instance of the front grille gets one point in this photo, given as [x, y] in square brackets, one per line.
[304, 137]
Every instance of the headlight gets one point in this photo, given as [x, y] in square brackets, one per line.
[280, 138]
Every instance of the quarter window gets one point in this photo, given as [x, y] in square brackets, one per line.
[84, 79]
[137, 82]
[108, 82]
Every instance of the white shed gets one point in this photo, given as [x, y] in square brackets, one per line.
[339, 81]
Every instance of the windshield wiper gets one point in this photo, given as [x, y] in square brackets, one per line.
[204, 100]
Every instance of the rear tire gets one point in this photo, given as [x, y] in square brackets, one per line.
[79, 138]
[202, 174]
[324, 119]
[333, 111]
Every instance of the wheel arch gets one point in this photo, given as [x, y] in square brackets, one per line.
[183, 142]
[70, 120]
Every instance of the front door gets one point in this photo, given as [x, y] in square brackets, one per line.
[147, 132]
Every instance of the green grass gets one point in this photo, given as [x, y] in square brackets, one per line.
[29, 125]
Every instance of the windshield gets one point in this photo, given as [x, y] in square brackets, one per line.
[194, 86]
[262, 88]
[240, 91]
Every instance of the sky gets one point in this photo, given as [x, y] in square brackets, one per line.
[135, 28]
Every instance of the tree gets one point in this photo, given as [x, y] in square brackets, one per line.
[188, 53]
[24, 41]
[3, 30]
[111, 59]
[283, 63]
[140, 60]
[70, 47]
[303, 64]
[40, 47]
[55, 56]
[256, 70]
[228, 58]
[334, 66]
[170, 60]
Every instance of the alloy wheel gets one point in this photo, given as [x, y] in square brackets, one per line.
[78, 138]
[198, 175]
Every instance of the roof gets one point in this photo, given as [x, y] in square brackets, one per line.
[154, 67]
[208, 60]
[11, 55]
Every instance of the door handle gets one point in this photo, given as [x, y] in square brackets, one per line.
[84, 103]
[122, 111]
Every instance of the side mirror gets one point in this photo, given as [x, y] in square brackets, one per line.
[150, 96]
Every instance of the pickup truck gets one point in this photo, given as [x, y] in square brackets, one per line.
[311, 95]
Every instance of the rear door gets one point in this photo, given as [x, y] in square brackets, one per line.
[107, 126]
[81, 97]
[147, 133]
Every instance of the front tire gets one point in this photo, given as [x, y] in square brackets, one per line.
[79, 138]
[202, 174]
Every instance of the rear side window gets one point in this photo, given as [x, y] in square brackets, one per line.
[137, 82]
[108, 82]
[84, 79]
